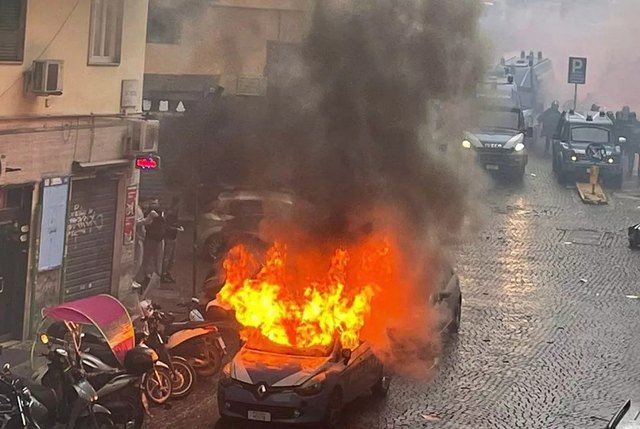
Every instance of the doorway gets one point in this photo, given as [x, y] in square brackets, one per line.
[15, 212]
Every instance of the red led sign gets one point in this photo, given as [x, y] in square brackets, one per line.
[147, 162]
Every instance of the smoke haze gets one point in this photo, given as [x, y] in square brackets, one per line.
[354, 134]
[603, 31]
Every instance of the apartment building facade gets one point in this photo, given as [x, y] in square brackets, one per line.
[71, 76]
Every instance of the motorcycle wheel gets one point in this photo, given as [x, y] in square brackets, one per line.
[157, 385]
[101, 421]
[213, 358]
[136, 408]
[184, 377]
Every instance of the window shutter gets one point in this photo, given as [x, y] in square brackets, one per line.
[11, 29]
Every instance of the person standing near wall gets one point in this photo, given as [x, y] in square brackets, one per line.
[170, 238]
[141, 223]
[152, 247]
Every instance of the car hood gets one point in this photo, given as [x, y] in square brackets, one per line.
[494, 138]
[254, 367]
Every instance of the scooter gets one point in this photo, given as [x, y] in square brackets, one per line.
[155, 383]
[64, 397]
[222, 316]
[183, 374]
[199, 342]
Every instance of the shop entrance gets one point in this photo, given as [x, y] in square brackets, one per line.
[15, 212]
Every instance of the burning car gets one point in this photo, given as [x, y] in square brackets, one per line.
[304, 356]
[275, 383]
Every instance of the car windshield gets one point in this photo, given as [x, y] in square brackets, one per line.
[501, 119]
[590, 135]
[245, 207]
[261, 343]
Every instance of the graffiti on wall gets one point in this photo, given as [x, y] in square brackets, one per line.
[83, 221]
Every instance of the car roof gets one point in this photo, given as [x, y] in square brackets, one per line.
[588, 118]
[283, 197]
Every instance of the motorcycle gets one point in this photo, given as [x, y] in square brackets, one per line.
[103, 331]
[155, 383]
[223, 317]
[72, 401]
[183, 374]
[199, 342]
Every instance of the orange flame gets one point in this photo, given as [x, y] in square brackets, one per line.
[306, 300]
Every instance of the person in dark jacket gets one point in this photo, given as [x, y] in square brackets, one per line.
[627, 126]
[549, 120]
[170, 238]
[154, 235]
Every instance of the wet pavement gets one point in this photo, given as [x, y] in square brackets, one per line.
[549, 323]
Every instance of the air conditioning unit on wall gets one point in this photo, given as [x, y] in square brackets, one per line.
[46, 77]
[142, 136]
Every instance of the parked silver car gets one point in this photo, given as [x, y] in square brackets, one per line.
[235, 217]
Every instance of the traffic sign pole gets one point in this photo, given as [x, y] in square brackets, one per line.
[577, 75]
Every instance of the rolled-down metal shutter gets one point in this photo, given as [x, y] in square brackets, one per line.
[90, 234]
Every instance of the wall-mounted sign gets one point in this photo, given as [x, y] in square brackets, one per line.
[55, 194]
[147, 162]
[130, 214]
[131, 93]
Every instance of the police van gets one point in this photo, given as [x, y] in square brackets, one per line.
[498, 135]
[532, 75]
[583, 140]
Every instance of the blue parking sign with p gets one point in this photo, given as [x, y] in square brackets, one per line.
[578, 70]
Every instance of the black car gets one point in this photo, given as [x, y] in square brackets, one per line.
[583, 140]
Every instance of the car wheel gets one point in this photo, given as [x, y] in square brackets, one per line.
[561, 176]
[518, 173]
[213, 247]
[616, 181]
[334, 410]
[381, 388]
[454, 326]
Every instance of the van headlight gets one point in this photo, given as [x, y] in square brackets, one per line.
[519, 147]
[466, 144]
[312, 386]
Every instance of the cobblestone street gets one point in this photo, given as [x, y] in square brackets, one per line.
[548, 336]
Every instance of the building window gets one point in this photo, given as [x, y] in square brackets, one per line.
[12, 23]
[106, 32]
[163, 26]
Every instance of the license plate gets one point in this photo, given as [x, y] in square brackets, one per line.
[491, 167]
[260, 416]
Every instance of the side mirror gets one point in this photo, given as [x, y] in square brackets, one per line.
[622, 140]
[346, 355]
[6, 367]
[444, 295]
